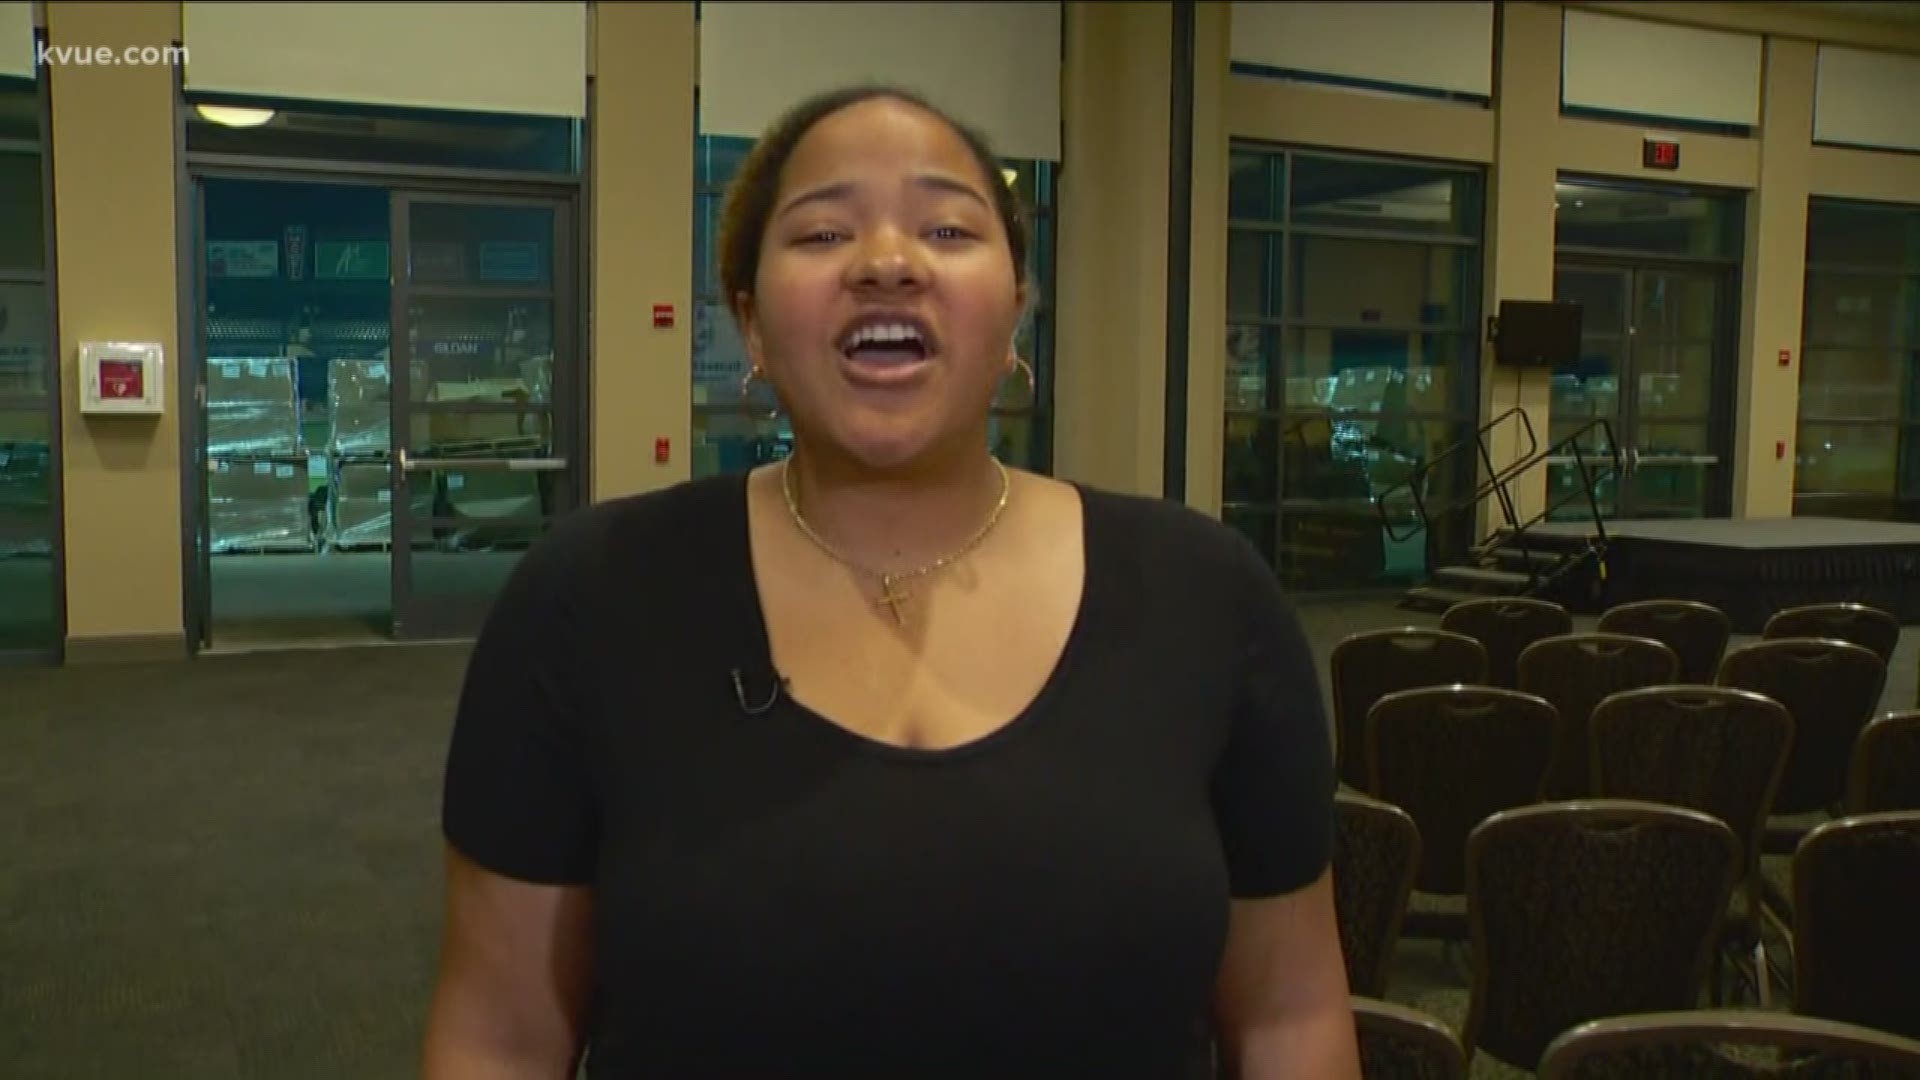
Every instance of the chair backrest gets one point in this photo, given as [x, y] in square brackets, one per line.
[1885, 773]
[1707, 748]
[1870, 628]
[1368, 666]
[1721, 1044]
[1452, 755]
[1398, 1043]
[1376, 848]
[1505, 626]
[1855, 952]
[1577, 671]
[1831, 688]
[1585, 910]
[1697, 633]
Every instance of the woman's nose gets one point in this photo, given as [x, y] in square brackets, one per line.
[887, 261]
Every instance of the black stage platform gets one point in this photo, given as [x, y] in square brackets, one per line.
[1752, 567]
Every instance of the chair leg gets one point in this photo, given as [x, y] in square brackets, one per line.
[1762, 976]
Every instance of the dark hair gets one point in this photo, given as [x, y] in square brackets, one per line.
[750, 198]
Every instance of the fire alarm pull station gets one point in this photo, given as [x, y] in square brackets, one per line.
[662, 449]
[662, 316]
[121, 378]
[1786, 357]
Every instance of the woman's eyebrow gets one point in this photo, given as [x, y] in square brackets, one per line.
[842, 189]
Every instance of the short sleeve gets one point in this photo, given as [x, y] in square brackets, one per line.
[1273, 786]
[518, 796]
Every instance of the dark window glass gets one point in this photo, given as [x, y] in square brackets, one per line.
[1375, 195]
[1699, 223]
[1846, 233]
[1353, 306]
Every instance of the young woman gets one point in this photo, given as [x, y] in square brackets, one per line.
[886, 760]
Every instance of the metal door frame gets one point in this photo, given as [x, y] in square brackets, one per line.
[571, 263]
[415, 618]
[1723, 366]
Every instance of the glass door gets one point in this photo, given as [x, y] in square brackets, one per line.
[1654, 343]
[485, 364]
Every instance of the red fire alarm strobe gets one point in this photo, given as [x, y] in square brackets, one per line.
[1786, 357]
[662, 449]
[662, 316]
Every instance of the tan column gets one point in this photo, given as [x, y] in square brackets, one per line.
[114, 230]
[1207, 289]
[1773, 283]
[1111, 289]
[1520, 233]
[641, 381]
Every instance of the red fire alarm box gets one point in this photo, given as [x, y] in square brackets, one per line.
[120, 377]
[662, 316]
[662, 449]
[1786, 357]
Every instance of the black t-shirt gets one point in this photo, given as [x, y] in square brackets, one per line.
[777, 895]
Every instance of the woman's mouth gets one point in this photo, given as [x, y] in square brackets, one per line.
[885, 353]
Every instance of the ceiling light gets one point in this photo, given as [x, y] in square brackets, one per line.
[233, 115]
[1011, 176]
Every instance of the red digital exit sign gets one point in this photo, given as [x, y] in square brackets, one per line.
[1660, 154]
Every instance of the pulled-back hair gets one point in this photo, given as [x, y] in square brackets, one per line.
[755, 188]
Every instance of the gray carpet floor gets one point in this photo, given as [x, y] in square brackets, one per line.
[230, 868]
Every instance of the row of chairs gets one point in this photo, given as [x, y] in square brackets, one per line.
[1830, 685]
[1593, 910]
[1399, 1043]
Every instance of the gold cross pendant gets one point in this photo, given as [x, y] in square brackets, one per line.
[892, 599]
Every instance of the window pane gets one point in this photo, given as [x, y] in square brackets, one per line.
[482, 349]
[1664, 220]
[1252, 357]
[486, 246]
[1861, 309]
[1675, 380]
[1253, 273]
[1343, 282]
[706, 247]
[1253, 186]
[26, 470]
[717, 158]
[22, 241]
[28, 598]
[1010, 437]
[1854, 383]
[1374, 370]
[1588, 388]
[1251, 466]
[1339, 475]
[731, 442]
[1675, 305]
[1601, 294]
[1384, 196]
[24, 371]
[1863, 234]
[1846, 458]
[720, 360]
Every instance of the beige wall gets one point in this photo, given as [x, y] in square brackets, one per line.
[1767, 398]
[1207, 295]
[641, 379]
[113, 168]
[1110, 387]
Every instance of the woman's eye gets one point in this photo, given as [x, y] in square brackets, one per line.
[821, 236]
[950, 232]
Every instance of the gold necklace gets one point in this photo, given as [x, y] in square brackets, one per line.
[891, 580]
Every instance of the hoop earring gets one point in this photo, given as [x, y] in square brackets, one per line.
[1032, 389]
[746, 390]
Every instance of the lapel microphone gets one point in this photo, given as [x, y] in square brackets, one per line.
[740, 693]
